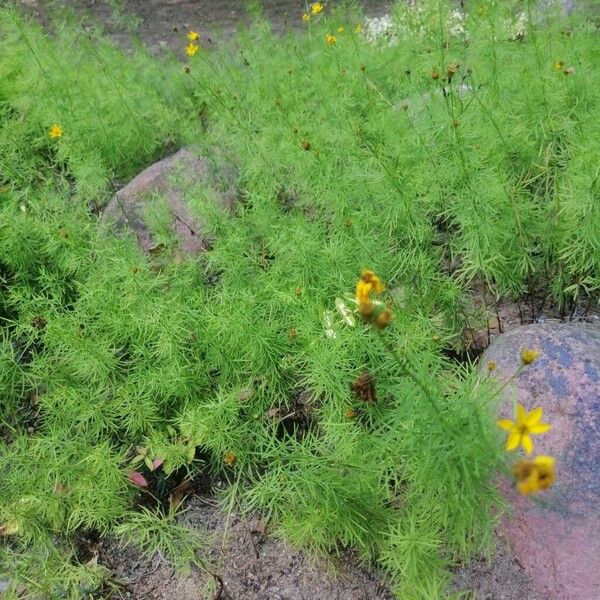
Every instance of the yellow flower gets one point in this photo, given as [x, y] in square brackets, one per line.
[534, 475]
[306, 17]
[55, 132]
[384, 318]
[558, 65]
[528, 355]
[193, 36]
[492, 366]
[341, 29]
[191, 49]
[368, 284]
[330, 39]
[525, 425]
[358, 28]
[316, 8]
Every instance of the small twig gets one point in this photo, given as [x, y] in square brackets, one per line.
[520, 311]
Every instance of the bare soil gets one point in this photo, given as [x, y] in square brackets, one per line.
[216, 20]
[247, 562]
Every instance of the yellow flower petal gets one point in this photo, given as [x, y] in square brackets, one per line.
[534, 416]
[527, 444]
[512, 441]
[505, 424]
[542, 459]
[539, 428]
[521, 414]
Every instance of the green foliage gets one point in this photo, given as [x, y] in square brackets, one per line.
[237, 363]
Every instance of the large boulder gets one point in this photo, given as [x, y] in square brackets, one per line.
[555, 534]
[167, 182]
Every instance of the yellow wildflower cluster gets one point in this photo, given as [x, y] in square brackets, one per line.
[316, 8]
[193, 38]
[535, 475]
[330, 39]
[367, 285]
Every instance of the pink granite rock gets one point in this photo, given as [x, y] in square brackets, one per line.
[555, 534]
[168, 179]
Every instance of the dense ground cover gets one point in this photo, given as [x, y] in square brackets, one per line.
[461, 152]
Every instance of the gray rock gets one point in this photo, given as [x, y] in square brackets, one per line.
[167, 181]
[555, 534]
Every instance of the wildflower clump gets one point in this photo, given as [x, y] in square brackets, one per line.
[522, 428]
[330, 39]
